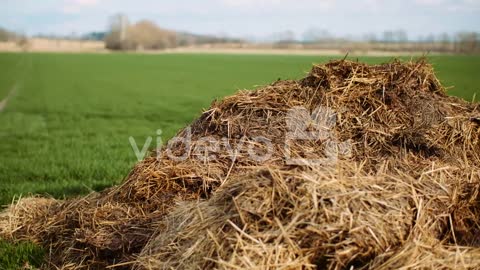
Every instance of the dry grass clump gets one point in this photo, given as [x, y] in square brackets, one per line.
[404, 192]
[316, 218]
[26, 216]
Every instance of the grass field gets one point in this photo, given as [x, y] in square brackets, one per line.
[65, 130]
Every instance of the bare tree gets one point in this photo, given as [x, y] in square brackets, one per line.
[6, 35]
[370, 37]
[316, 35]
[444, 39]
[467, 42]
[400, 36]
[142, 35]
[284, 37]
[388, 36]
[147, 35]
[430, 38]
[118, 28]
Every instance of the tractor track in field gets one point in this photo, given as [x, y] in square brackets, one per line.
[4, 101]
[17, 85]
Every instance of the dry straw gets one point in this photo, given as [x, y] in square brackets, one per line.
[406, 196]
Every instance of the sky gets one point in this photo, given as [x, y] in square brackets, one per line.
[254, 19]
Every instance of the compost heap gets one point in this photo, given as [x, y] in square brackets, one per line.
[370, 167]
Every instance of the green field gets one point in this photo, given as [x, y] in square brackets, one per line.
[65, 130]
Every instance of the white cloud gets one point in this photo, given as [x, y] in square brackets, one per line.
[251, 3]
[451, 5]
[473, 4]
[281, 4]
[247, 17]
[75, 6]
[430, 2]
[85, 2]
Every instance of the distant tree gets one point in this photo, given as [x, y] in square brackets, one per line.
[147, 35]
[117, 33]
[370, 37]
[6, 35]
[3, 35]
[72, 36]
[444, 37]
[94, 36]
[316, 35]
[430, 38]
[23, 43]
[284, 37]
[468, 42]
[445, 41]
[388, 36]
[142, 35]
[400, 36]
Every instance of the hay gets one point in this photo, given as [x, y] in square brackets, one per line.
[404, 192]
[278, 219]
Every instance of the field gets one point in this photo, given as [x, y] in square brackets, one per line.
[65, 130]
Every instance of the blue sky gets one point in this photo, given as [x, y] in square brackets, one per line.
[247, 18]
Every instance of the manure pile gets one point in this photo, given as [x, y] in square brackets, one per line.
[353, 167]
